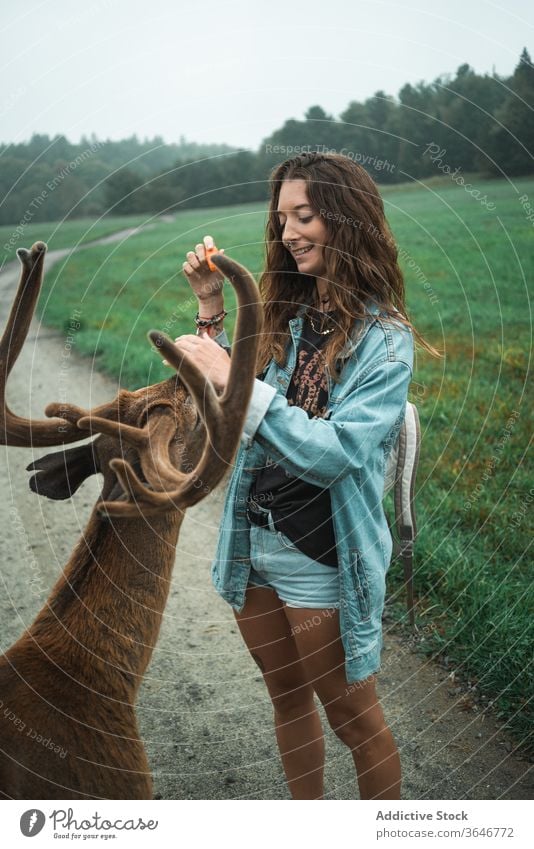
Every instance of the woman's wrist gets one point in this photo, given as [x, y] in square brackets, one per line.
[210, 306]
[212, 330]
[209, 309]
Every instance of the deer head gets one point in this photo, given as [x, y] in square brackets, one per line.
[160, 448]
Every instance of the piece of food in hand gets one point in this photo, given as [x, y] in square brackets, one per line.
[210, 252]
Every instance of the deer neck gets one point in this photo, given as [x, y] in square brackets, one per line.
[103, 616]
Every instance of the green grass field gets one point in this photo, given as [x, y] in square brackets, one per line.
[467, 270]
[60, 234]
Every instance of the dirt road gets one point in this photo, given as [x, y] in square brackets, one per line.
[203, 709]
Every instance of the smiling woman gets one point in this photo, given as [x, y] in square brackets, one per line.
[303, 537]
[303, 231]
[330, 203]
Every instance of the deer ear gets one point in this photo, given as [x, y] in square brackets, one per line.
[60, 474]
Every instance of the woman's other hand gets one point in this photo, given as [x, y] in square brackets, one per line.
[211, 359]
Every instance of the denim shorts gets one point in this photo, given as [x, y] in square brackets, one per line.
[298, 580]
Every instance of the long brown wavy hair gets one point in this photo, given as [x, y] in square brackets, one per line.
[360, 255]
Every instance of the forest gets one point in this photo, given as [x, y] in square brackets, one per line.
[458, 124]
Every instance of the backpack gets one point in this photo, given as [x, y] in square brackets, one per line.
[400, 474]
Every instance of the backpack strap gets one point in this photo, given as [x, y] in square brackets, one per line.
[401, 472]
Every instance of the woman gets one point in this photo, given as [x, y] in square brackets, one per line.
[304, 544]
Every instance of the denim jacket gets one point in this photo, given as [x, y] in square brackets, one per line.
[345, 451]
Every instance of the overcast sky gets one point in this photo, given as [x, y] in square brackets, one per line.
[217, 71]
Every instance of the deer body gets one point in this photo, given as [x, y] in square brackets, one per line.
[106, 608]
[68, 686]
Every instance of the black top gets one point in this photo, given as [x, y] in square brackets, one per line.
[300, 510]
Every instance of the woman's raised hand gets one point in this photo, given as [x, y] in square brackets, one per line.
[207, 285]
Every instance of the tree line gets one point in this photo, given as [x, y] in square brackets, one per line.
[464, 122]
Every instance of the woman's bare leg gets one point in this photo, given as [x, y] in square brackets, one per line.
[353, 711]
[299, 734]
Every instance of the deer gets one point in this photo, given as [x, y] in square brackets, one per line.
[68, 686]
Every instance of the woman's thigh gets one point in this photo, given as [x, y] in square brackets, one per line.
[267, 633]
[319, 646]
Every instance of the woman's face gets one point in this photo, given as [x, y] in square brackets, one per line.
[303, 227]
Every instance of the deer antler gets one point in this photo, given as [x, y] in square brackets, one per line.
[223, 417]
[16, 430]
[169, 488]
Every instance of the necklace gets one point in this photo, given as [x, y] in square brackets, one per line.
[321, 332]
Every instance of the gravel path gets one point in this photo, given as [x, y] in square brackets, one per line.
[203, 709]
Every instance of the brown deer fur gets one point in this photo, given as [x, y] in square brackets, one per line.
[68, 687]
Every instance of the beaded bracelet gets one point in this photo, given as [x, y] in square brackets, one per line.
[209, 322]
